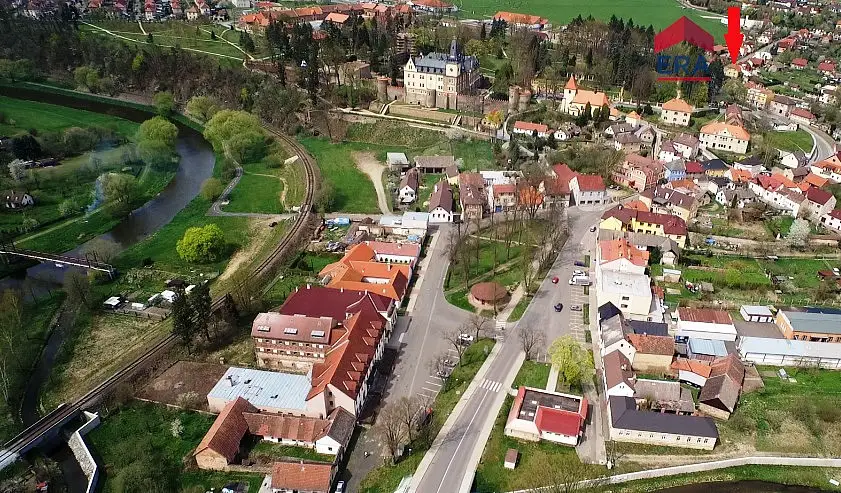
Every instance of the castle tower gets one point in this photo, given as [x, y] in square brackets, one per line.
[570, 90]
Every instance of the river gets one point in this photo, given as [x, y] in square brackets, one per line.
[195, 165]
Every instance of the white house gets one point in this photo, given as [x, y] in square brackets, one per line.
[676, 112]
[588, 189]
[628, 291]
[528, 128]
[704, 323]
[756, 313]
[538, 414]
[441, 203]
[408, 189]
[819, 202]
[613, 338]
[725, 137]
[832, 220]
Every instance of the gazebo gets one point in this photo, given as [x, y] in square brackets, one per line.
[488, 295]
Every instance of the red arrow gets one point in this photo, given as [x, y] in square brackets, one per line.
[734, 36]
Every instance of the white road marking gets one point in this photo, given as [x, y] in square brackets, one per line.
[401, 337]
[463, 436]
[434, 383]
[427, 396]
[434, 392]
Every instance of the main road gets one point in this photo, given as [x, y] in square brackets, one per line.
[451, 463]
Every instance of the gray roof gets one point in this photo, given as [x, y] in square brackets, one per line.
[624, 415]
[648, 240]
[760, 310]
[342, 424]
[720, 392]
[649, 328]
[434, 161]
[621, 128]
[437, 62]
[396, 158]
[627, 138]
[688, 140]
[739, 193]
[819, 323]
[263, 388]
[442, 196]
[612, 330]
[617, 369]
[710, 347]
[676, 165]
[788, 347]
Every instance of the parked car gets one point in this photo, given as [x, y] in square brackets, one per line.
[466, 339]
[593, 229]
[340, 487]
[580, 281]
[555, 280]
[578, 273]
[559, 307]
[579, 263]
[575, 308]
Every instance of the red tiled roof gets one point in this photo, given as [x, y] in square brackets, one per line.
[298, 476]
[646, 344]
[299, 428]
[433, 4]
[802, 113]
[391, 248]
[677, 104]
[504, 188]
[611, 250]
[571, 84]
[531, 127]
[319, 301]
[836, 213]
[672, 225]
[800, 62]
[591, 183]
[818, 196]
[694, 167]
[704, 315]
[526, 19]
[227, 431]
[695, 366]
[559, 421]
[826, 67]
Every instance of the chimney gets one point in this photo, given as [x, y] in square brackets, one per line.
[308, 285]
[342, 290]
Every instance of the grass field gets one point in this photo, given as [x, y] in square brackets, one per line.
[815, 477]
[385, 479]
[138, 440]
[532, 374]
[258, 190]
[24, 115]
[658, 13]
[791, 141]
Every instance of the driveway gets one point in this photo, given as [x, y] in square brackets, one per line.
[368, 164]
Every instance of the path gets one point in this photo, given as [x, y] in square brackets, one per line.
[216, 208]
[222, 37]
[368, 164]
[141, 27]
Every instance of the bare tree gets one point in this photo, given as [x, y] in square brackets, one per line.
[105, 250]
[4, 377]
[439, 364]
[78, 288]
[453, 336]
[531, 340]
[477, 325]
[391, 429]
[409, 409]
[528, 270]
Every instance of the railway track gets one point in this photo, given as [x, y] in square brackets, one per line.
[24, 441]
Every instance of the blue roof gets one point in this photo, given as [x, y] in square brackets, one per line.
[263, 388]
[711, 347]
[787, 347]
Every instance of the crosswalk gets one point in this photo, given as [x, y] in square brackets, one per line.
[491, 385]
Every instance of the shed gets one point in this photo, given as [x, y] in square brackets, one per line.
[511, 457]
[485, 294]
[112, 302]
[397, 160]
[706, 349]
[756, 313]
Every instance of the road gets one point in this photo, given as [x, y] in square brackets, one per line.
[453, 459]
[825, 144]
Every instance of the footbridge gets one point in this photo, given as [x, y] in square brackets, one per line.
[89, 261]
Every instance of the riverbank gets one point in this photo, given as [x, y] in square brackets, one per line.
[810, 477]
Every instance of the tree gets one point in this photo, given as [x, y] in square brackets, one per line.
[11, 317]
[199, 301]
[734, 91]
[158, 129]
[798, 233]
[202, 108]
[182, 320]
[574, 362]
[201, 244]
[325, 197]
[120, 191]
[531, 340]
[164, 103]
[391, 429]
[585, 115]
[17, 170]
[440, 364]
[237, 129]
[409, 409]
[87, 77]
[211, 189]
[155, 153]
[26, 147]
[453, 337]
[78, 288]
[477, 324]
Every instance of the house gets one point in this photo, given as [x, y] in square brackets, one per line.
[437, 79]
[397, 161]
[619, 128]
[739, 197]
[192, 13]
[664, 200]
[618, 376]
[292, 341]
[691, 371]
[360, 270]
[639, 173]
[663, 396]
[786, 352]
[434, 164]
[675, 170]
[802, 116]
[634, 119]
[338, 304]
[441, 203]
[621, 256]
[715, 168]
[531, 129]
[706, 349]
[588, 189]
[653, 353]
[410, 224]
[733, 71]
[504, 197]
[721, 391]
[620, 218]
[667, 152]
[306, 477]
[758, 96]
[268, 391]
[627, 423]
[575, 100]
[832, 220]
[472, 198]
[514, 20]
[782, 105]
[408, 189]
[799, 63]
[539, 415]
[686, 145]
[646, 135]
[629, 291]
[628, 142]
[613, 334]
[676, 112]
[452, 173]
[810, 324]
[793, 160]
[220, 444]
[704, 323]
[16, 200]
[756, 313]
[725, 137]
[819, 202]
[733, 115]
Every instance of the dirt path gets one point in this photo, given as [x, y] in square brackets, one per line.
[258, 234]
[368, 164]
[283, 192]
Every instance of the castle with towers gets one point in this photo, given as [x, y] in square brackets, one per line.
[437, 79]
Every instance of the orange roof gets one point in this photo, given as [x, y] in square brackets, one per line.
[300, 476]
[646, 344]
[337, 17]
[636, 205]
[530, 127]
[695, 366]
[584, 96]
[677, 104]
[227, 431]
[514, 18]
[357, 264]
[633, 115]
[616, 249]
[571, 83]
[783, 180]
[740, 175]
[815, 180]
[716, 128]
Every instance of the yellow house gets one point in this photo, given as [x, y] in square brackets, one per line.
[611, 223]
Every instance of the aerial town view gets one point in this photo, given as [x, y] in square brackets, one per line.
[333, 246]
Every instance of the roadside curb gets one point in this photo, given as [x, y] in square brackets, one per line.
[452, 418]
[422, 266]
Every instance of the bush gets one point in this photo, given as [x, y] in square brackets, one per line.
[273, 161]
[78, 140]
[201, 244]
[158, 128]
[211, 189]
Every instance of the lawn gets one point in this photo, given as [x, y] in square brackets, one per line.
[520, 309]
[50, 118]
[532, 374]
[385, 479]
[485, 263]
[791, 141]
[259, 190]
[142, 440]
[531, 470]
[171, 34]
[427, 185]
[816, 477]
[274, 451]
[802, 417]
[659, 13]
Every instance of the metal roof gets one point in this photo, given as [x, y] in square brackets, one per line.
[760, 310]
[711, 347]
[263, 388]
[818, 323]
[624, 414]
[788, 347]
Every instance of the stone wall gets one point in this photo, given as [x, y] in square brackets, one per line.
[418, 112]
[81, 452]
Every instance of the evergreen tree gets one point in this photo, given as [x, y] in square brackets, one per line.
[182, 320]
[589, 58]
[150, 39]
[199, 302]
[585, 115]
[482, 33]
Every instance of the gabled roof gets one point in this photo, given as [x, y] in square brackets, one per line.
[571, 84]
[650, 344]
[531, 127]
[695, 366]
[442, 196]
[318, 301]
[626, 416]
[611, 250]
[694, 167]
[677, 104]
[718, 128]
[802, 113]
[617, 370]
[525, 19]
[591, 183]
[800, 62]
[704, 315]
[818, 196]
[227, 430]
[301, 476]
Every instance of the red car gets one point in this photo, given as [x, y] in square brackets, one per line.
[555, 280]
